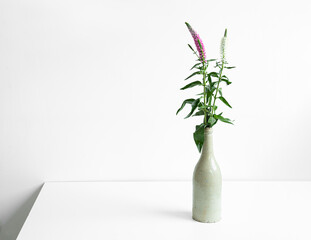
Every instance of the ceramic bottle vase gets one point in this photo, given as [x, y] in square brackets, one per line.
[207, 184]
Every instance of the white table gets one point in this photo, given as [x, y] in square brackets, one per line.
[162, 210]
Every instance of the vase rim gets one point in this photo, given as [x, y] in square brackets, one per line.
[208, 130]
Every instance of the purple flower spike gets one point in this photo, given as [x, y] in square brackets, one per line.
[198, 41]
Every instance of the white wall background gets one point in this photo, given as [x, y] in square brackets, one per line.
[89, 91]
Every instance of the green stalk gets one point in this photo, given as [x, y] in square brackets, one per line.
[204, 92]
[204, 84]
[219, 79]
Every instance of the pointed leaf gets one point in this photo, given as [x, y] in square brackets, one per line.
[221, 118]
[214, 123]
[224, 101]
[195, 65]
[209, 90]
[198, 136]
[198, 113]
[214, 108]
[211, 120]
[189, 101]
[193, 84]
[191, 48]
[193, 74]
[220, 91]
[203, 106]
[213, 74]
[225, 79]
[209, 78]
[194, 105]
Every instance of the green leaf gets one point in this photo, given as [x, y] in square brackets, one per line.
[209, 78]
[203, 106]
[211, 121]
[209, 90]
[193, 84]
[193, 74]
[214, 108]
[214, 123]
[194, 105]
[221, 118]
[195, 65]
[226, 80]
[198, 113]
[230, 67]
[189, 101]
[220, 91]
[224, 101]
[191, 48]
[211, 60]
[213, 74]
[198, 136]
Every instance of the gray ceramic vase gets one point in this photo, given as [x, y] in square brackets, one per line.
[207, 184]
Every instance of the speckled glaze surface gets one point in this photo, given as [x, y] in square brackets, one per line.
[207, 183]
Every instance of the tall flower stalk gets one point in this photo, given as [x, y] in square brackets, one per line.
[205, 104]
[221, 67]
[198, 42]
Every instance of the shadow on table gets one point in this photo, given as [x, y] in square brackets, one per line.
[10, 229]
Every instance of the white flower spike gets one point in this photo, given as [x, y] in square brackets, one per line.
[223, 47]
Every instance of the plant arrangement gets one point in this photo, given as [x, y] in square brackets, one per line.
[205, 104]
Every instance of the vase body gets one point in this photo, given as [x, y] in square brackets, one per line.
[207, 184]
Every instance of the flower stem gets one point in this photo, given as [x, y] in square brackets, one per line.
[204, 92]
[217, 89]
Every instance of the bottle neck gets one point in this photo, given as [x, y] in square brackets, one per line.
[208, 141]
